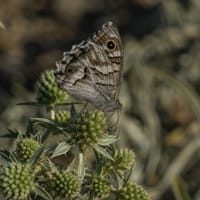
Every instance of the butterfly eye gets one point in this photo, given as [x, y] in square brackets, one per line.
[111, 44]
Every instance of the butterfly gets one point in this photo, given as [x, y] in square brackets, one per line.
[92, 70]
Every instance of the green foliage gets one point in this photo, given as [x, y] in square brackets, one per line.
[32, 171]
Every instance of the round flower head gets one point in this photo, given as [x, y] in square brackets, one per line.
[65, 185]
[101, 187]
[132, 191]
[17, 181]
[123, 160]
[26, 148]
[86, 128]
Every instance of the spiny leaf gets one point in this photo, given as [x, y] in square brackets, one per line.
[107, 140]
[62, 148]
[73, 111]
[7, 156]
[81, 167]
[11, 134]
[35, 103]
[103, 152]
[42, 193]
[37, 155]
[47, 123]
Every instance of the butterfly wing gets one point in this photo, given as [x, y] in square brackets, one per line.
[106, 57]
[92, 69]
[77, 82]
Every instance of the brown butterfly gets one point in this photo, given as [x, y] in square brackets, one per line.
[92, 70]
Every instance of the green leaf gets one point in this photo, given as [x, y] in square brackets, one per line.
[31, 131]
[48, 123]
[37, 155]
[11, 134]
[43, 120]
[73, 111]
[52, 166]
[42, 193]
[5, 155]
[62, 148]
[81, 167]
[103, 152]
[35, 103]
[68, 104]
[107, 140]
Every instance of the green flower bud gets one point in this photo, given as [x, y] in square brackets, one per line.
[65, 185]
[87, 128]
[47, 90]
[132, 191]
[101, 188]
[26, 148]
[123, 160]
[17, 181]
[62, 116]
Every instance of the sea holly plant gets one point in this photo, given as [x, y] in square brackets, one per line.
[67, 154]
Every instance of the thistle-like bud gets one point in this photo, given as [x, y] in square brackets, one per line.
[62, 116]
[65, 185]
[26, 148]
[123, 160]
[101, 188]
[132, 191]
[47, 90]
[87, 128]
[17, 181]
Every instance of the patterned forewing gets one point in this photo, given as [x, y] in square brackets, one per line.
[77, 82]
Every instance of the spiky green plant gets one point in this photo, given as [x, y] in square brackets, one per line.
[48, 166]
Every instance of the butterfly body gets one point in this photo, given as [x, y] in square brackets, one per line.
[92, 70]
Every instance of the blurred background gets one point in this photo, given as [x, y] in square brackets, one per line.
[161, 82]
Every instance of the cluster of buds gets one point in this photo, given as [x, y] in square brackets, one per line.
[26, 148]
[65, 185]
[47, 90]
[87, 128]
[17, 181]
